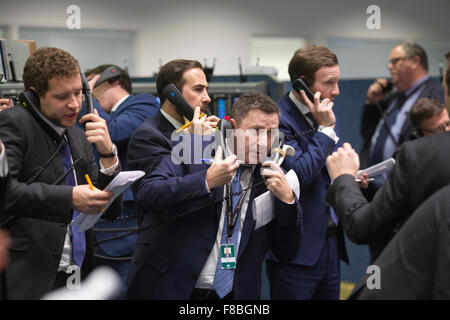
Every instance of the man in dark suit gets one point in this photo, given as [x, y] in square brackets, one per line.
[42, 146]
[152, 140]
[206, 248]
[421, 169]
[385, 123]
[314, 273]
[123, 113]
[414, 265]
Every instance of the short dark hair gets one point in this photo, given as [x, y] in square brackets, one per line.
[307, 60]
[252, 101]
[413, 50]
[172, 72]
[124, 77]
[45, 64]
[423, 109]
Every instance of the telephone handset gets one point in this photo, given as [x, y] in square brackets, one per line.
[300, 84]
[30, 100]
[87, 94]
[172, 94]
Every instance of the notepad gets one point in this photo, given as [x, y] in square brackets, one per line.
[263, 207]
[379, 168]
[118, 185]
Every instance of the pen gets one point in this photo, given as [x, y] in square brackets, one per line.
[89, 181]
[90, 184]
[189, 123]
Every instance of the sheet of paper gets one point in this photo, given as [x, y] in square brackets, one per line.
[379, 168]
[263, 211]
[118, 185]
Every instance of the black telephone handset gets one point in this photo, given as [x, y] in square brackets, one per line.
[174, 95]
[299, 84]
[30, 100]
[87, 94]
[388, 87]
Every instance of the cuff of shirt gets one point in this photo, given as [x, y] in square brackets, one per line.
[3, 162]
[329, 131]
[207, 188]
[109, 171]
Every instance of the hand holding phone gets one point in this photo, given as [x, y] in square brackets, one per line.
[276, 182]
[321, 110]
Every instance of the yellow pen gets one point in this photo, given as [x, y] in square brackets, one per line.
[89, 181]
[189, 123]
[90, 184]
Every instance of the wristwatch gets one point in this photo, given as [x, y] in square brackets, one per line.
[110, 155]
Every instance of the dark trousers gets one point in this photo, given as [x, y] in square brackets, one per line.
[319, 282]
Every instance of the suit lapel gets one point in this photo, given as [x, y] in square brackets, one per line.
[164, 125]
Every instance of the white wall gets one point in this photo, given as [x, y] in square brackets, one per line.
[202, 29]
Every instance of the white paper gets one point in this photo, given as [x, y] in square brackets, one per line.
[118, 185]
[263, 211]
[379, 168]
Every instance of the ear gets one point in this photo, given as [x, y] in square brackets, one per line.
[233, 123]
[416, 61]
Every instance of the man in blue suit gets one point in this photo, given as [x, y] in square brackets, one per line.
[201, 247]
[123, 113]
[314, 273]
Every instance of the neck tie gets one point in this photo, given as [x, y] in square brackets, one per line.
[78, 238]
[223, 280]
[376, 155]
[310, 116]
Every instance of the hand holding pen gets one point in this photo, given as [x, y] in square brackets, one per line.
[88, 199]
[201, 124]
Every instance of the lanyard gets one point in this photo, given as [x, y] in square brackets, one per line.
[232, 217]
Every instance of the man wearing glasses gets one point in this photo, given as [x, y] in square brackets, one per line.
[429, 116]
[385, 123]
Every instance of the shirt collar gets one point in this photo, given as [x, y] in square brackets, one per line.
[173, 121]
[303, 109]
[416, 85]
[118, 103]
[60, 130]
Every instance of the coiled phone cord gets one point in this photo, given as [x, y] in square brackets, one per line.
[182, 214]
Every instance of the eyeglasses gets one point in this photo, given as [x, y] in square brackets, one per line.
[395, 60]
[439, 129]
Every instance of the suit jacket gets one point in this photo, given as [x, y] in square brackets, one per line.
[421, 169]
[309, 163]
[371, 117]
[42, 211]
[121, 125]
[415, 263]
[4, 185]
[169, 258]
